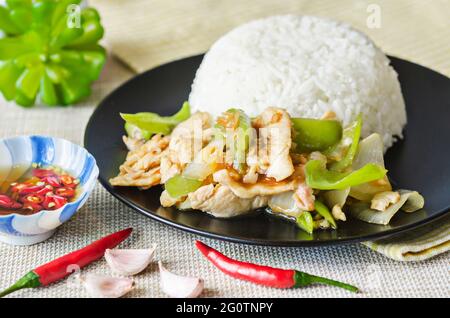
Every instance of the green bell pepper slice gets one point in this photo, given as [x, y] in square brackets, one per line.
[323, 210]
[305, 222]
[135, 131]
[241, 144]
[316, 134]
[156, 124]
[318, 177]
[179, 186]
[353, 132]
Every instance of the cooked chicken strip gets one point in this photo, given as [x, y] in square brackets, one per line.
[141, 167]
[248, 191]
[132, 143]
[274, 143]
[220, 201]
[304, 197]
[187, 139]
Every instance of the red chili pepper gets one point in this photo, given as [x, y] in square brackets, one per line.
[8, 203]
[30, 189]
[265, 275]
[45, 190]
[60, 267]
[68, 181]
[32, 198]
[32, 207]
[53, 202]
[17, 187]
[42, 173]
[52, 180]
[65, 192]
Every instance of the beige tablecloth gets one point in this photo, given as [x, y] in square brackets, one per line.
[375, 274]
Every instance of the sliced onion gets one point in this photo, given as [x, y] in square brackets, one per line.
[336, 197]
[198, 171]
[410, 201]
[370, 151]
[284, 203]
[205, 161]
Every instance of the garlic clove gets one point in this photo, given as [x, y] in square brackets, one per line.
[177, 286]
[129, 262]
[99, 286]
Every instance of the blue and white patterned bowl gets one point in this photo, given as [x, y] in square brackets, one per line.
[16, 156]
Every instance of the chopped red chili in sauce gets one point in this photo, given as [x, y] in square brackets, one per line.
[40, 189]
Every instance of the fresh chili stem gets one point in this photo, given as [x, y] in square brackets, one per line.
[303, 279]
[60, 267]
[30, 280]
[265, 275]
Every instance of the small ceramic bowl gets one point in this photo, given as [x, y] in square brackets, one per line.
[17, 155]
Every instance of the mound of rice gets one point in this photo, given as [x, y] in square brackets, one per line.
[307, 65]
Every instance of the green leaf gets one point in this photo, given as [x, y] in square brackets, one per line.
[73, 89]
[13, 47]
[59, 13]
[63, 35]
[6, 23]
[28, 83]
[14, 4]
[22, 17]
[93, 32]
[32, 56]
[56, 73]
[42, 11]
[318, 177]
[23, 100]
[48, 91]
[9, 73]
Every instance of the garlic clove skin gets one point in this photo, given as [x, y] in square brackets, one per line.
[177, 286]
[129, 262]
[99, 286]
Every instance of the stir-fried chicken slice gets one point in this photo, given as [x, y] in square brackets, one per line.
[248, 191]
[142, 166]
[304, 197]
[187, 139]
[274, 143]
[133, 143]
[220, 201]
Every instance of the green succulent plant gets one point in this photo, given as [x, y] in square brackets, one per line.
[49, 49]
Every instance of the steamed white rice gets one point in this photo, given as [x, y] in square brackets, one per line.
[307, 65]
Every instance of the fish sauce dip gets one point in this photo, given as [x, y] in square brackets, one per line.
[40, 188]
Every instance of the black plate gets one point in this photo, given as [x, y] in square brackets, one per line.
[420, 162]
